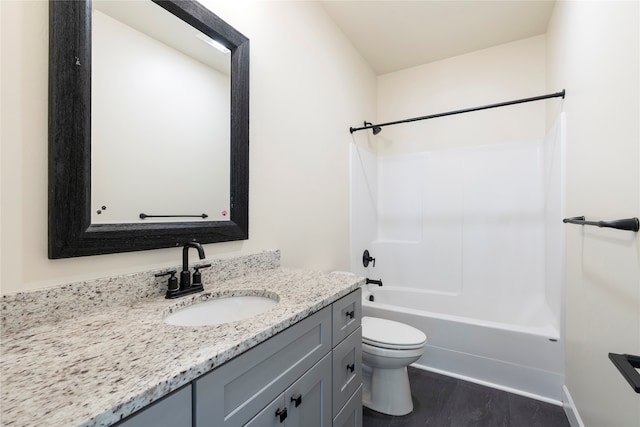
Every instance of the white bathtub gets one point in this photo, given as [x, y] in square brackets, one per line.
[514, 348]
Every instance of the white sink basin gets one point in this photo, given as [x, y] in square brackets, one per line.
[220, 310]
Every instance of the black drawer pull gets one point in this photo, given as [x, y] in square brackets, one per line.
[297, 400]
[351, 367]
[282, 413]
[351, 314]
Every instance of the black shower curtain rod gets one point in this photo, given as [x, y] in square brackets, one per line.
[377, 127]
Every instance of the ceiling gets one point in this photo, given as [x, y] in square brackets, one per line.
[393, 34]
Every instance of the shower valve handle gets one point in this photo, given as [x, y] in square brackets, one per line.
[366, 259]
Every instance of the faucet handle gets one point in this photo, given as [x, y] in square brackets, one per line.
[166, 273]
[197, 276]
[172, 284]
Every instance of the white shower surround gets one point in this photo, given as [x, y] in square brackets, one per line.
[470, 236]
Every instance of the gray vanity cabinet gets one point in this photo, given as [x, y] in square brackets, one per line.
[316, 363]
[308, 375]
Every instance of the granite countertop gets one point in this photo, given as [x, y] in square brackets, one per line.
[98, 368]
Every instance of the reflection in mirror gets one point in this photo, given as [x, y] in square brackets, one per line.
[207, 143]
[160, 117]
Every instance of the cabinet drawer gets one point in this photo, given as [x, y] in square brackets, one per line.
[351, 414]
[347, 369]
[173, 410]
[233, 393]
[347, 315]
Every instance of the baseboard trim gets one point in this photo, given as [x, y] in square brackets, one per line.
[570, 409]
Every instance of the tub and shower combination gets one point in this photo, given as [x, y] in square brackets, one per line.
[468, 244]
[498, 347]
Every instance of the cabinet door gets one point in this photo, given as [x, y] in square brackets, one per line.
[172, 411]
[309, 399]
[307, 403]
[347, 369]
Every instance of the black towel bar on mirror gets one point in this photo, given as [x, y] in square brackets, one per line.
[144, 216]
[630, 224]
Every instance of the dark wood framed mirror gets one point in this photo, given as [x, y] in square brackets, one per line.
[71, 232]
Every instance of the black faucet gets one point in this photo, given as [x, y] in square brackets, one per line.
[374, 282]
[185, 275]
[186, 287]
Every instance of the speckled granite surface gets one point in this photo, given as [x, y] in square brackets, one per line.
[97, 368]
[24, 310]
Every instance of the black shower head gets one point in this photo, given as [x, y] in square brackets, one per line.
[376, 129]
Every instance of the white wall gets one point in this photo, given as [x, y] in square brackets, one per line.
[593, 52]
[501, 73]
[308, 85]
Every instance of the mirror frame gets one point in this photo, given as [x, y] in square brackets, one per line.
[71, 233]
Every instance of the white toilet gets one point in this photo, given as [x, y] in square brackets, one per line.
[388, 347]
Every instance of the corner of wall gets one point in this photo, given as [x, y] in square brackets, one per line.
[570, 409]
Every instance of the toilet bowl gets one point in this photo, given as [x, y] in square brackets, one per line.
[388, 347]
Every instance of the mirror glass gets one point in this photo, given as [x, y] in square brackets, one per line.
[148, 127]
[160, 117]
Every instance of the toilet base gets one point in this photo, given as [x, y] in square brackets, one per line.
[387, 390]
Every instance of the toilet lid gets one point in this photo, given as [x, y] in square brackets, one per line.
[390, 334]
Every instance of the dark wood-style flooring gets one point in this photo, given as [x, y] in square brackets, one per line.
[441, 401]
